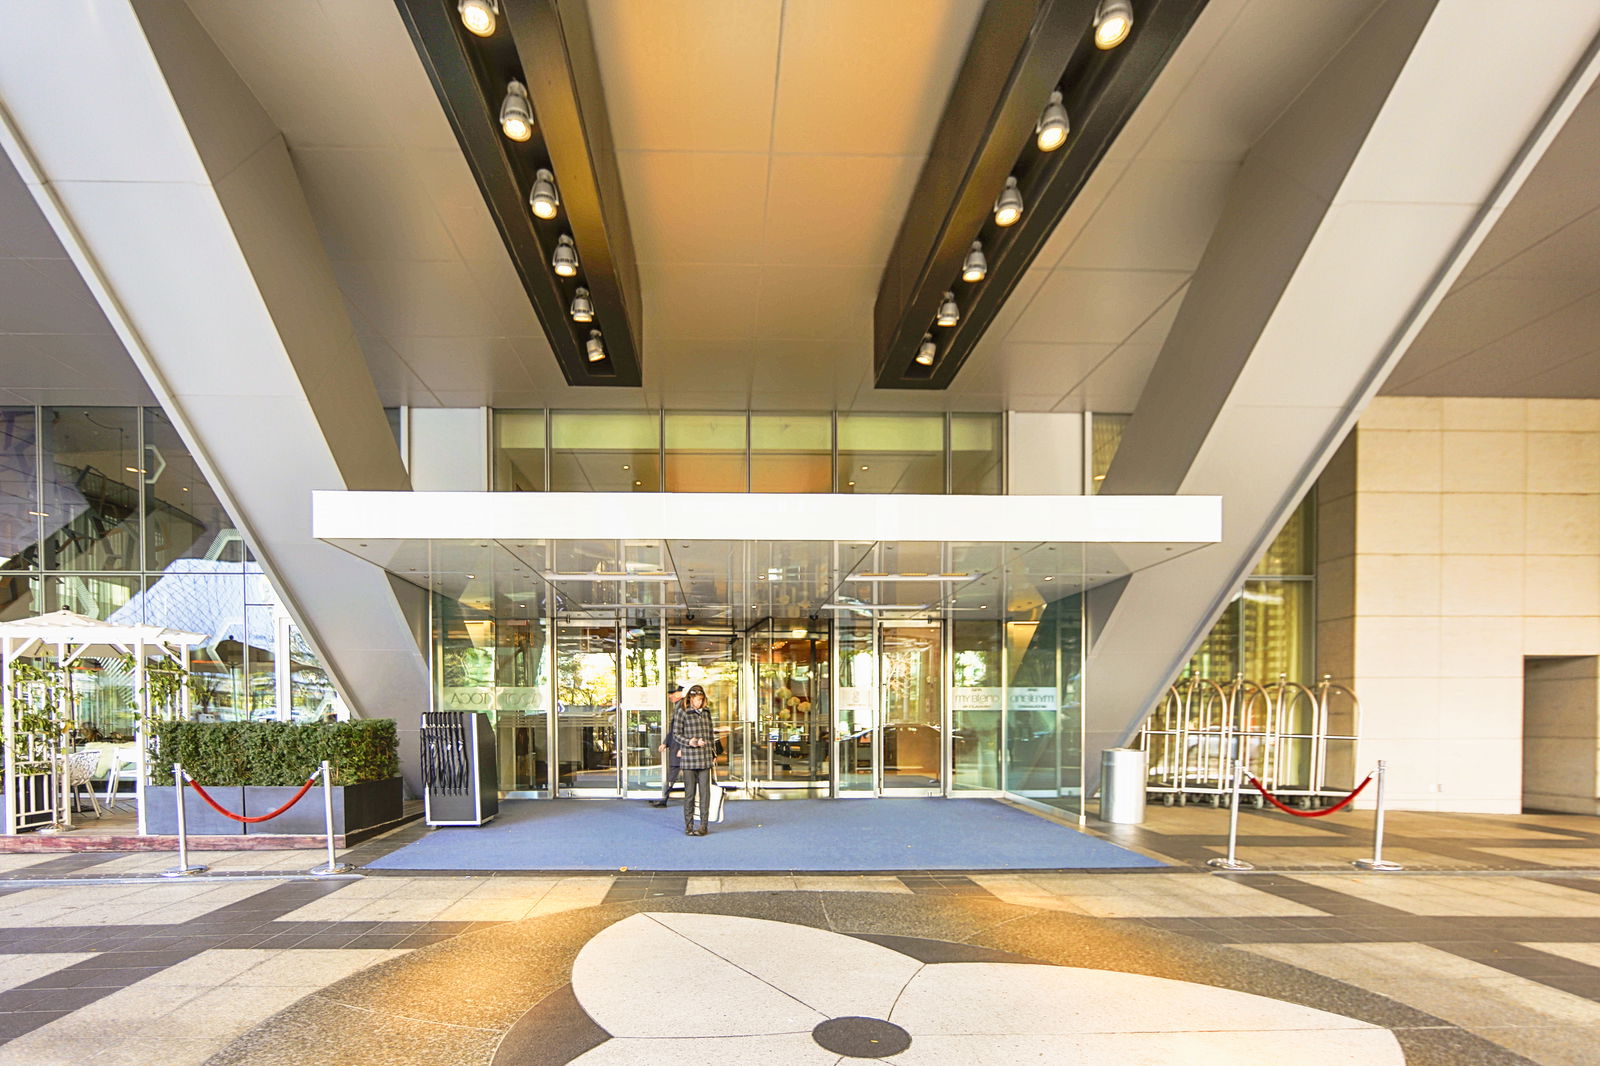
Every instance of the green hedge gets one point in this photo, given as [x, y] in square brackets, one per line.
[276, 753]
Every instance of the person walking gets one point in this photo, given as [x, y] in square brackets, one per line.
[669, 750]
[695, 735]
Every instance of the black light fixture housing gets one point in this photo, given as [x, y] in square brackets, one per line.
[1021, 52]
[548, 46]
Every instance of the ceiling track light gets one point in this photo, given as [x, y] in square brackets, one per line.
[516, 112]
[479, 16]
[1053, 126]
[1008, 206]
[543, 198]
[949, 313]
[1113, 21]
[564, 261]
[582, 310]
[595, 349]
[976, 266]
[927, 351]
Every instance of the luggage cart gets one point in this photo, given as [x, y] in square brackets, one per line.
[1297, 739]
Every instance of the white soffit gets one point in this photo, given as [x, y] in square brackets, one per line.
[357, 516]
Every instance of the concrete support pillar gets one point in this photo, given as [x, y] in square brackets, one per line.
[1343, 230]
[176, 198]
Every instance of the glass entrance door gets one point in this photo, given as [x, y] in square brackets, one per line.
[789, 727]
[588, 704]
[911, 740]
[712, 661]
[889, 722]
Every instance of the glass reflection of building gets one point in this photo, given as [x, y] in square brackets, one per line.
[1270, 627]
[104, 512]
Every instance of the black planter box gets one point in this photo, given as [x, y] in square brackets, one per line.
[161, 811]
[355, 807]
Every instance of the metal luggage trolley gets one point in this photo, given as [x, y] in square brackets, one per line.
[1292, 737]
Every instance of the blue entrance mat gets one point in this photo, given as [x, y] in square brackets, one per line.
[766, 835]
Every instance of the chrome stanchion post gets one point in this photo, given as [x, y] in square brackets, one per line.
[333, 865]
[1378, 862]
[1233, 862]
[183, 869]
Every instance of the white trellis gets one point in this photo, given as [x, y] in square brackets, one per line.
[67, 637]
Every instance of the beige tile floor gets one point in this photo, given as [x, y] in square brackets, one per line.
[183, 1014]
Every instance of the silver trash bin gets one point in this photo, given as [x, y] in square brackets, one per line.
[1122, 784]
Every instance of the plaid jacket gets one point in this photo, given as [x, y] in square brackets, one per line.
[690, 725]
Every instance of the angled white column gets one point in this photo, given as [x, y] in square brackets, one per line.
[1344, 228]
[176, 197]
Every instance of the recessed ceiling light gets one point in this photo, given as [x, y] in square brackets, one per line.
[927, 351]
[582, 310]
[1113, 21]
[1049, 579]
[595, 348]
[478, 16]
[564, 261]
[1008, 206]
[949, 313]
[516, 113]
[976, 265]
[1051, 132]
[543, 199]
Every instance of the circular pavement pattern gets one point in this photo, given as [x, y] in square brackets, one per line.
[792, 978]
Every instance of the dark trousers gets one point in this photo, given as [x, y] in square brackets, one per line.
[669, 777]
[696, 782]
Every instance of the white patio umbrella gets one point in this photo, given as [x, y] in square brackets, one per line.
[67, 637]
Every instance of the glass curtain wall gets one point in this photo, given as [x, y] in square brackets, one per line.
[104, 512]
[653, 451]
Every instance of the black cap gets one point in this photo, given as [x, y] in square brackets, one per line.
[674, 687]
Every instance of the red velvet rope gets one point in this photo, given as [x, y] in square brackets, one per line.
[1341, 805]
[220, 809]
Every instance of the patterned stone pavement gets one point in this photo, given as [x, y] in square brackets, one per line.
[1488, 951]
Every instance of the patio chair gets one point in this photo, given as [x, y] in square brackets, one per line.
[79, 767]
[123, 761]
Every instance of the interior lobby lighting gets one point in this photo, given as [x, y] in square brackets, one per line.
[949, 313]
[565, 259]
[1113, 21]
[951, 579]
[1051, 132]
[543, 198]
[40, 514]
[582, 309]
[797, 633]
[516, 113]
[927, 351]
[479, 16]
[609, 575]
[595, 349]
[976, 266]
[1008, 207]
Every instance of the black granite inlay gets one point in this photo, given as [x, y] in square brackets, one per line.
[861, 1038]
[554, 1032]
